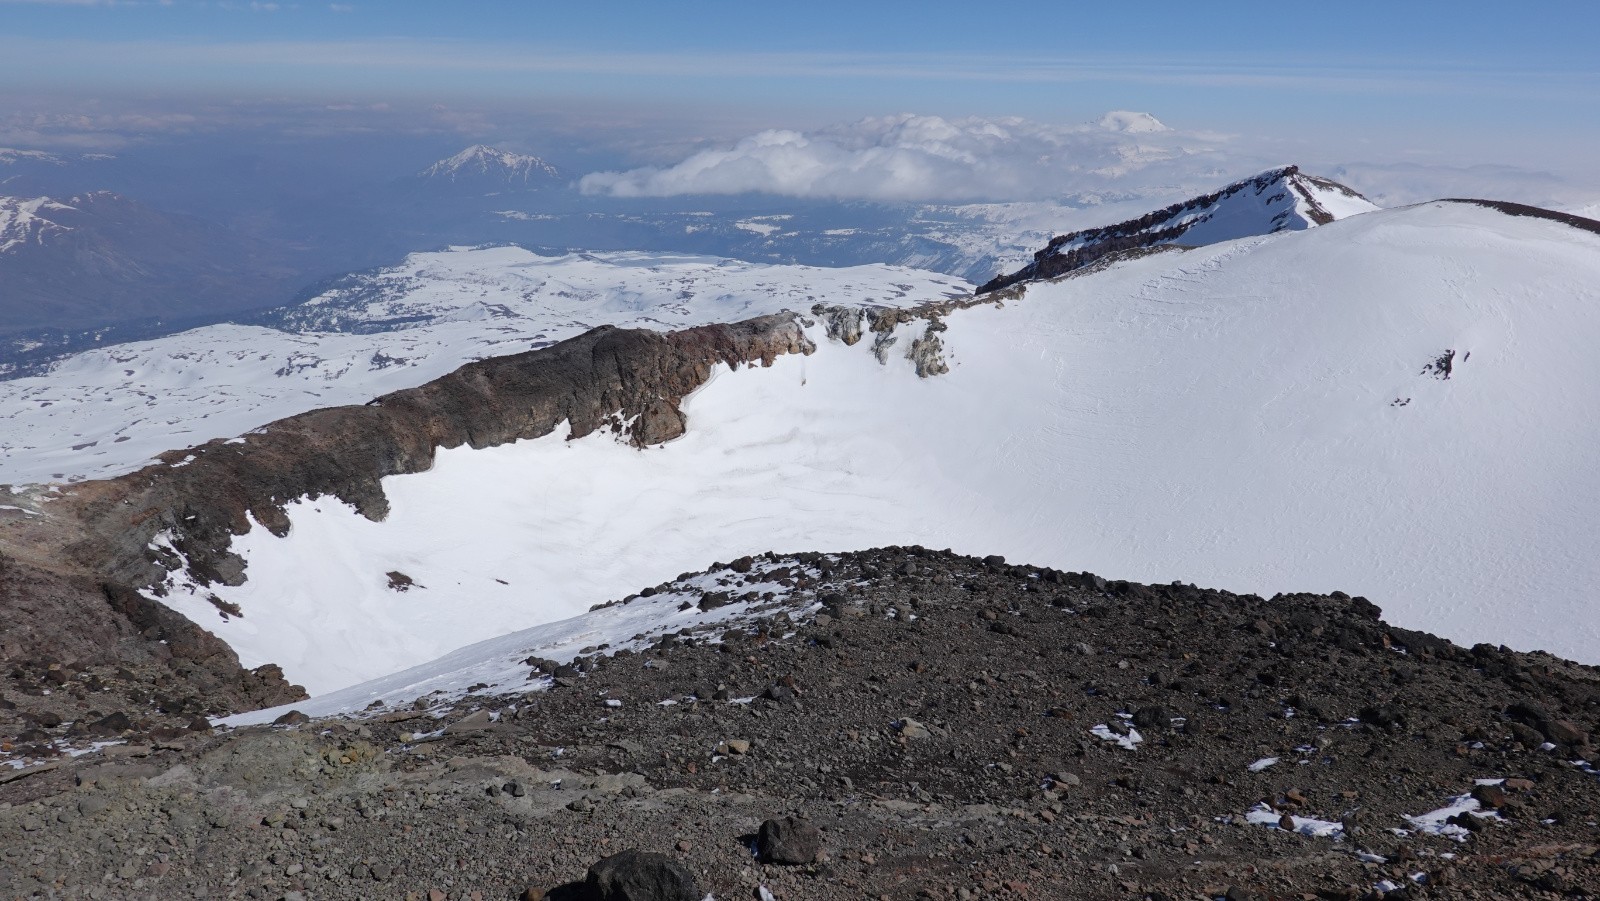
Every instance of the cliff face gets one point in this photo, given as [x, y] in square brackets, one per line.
[627, 380]
[79, 556]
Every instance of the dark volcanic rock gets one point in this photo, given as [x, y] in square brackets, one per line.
[941, 759]
[119, 644]
[788, 841]
[640, 876]
[109, 725]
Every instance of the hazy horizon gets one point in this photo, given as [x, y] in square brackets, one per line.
[1404, 103]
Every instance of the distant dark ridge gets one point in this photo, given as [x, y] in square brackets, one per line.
[1147, 230]
[1522, 209]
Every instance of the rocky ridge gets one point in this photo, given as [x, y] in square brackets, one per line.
[904, 723]
[1288, 199]
[76, 559]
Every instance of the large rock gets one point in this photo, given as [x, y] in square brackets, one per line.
[1565, 732]
[789, 841]
[640, 876]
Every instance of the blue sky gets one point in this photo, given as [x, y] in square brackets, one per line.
[1462, 84]
[1551, 33]
[1384, 63]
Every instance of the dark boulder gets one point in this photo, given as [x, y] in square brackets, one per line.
[112, 724]
[788, 841]
[1152, 718]
[640, 876]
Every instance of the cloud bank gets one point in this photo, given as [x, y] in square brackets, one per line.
[928, 158]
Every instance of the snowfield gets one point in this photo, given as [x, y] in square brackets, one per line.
[106, 412]
[1263, 415]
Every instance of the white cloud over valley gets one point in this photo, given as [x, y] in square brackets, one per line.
[929, 158]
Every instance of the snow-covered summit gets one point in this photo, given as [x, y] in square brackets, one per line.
[1282, 199]
[1131, 123]
[481, 162]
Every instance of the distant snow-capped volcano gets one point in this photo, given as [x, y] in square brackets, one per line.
[483, 164]
[1131, 123]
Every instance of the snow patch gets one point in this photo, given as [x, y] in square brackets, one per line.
[498, 666]
[1263, 815]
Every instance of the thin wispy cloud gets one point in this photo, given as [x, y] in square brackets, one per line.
[415, 56]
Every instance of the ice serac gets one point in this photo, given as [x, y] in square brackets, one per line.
[1277, 200]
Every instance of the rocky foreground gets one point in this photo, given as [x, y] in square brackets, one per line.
[945, 728]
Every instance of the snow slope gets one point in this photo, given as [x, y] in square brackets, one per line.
[106, 412]
[26, 220]
[1261, 415]
[498, 664]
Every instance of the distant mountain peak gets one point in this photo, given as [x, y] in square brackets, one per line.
[1281, 199]
[481, 162]
[1131, 123]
